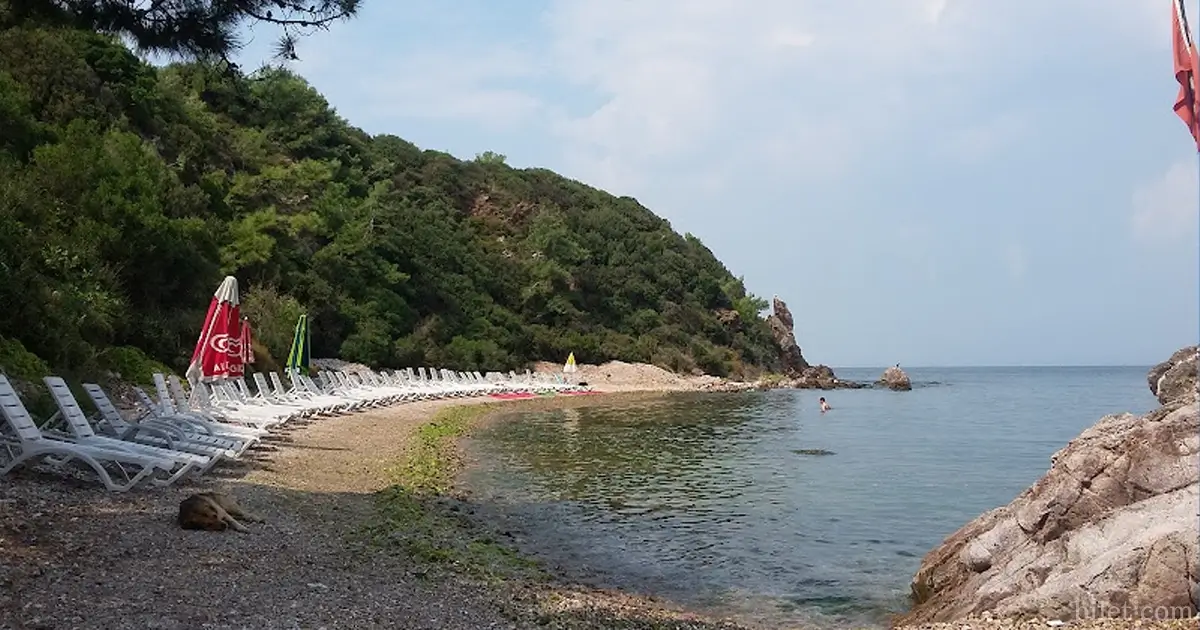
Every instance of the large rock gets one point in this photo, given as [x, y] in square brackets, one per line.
[1111, 528]
[782, 326]
[895, 379]
[816, 377]
[1175, 378]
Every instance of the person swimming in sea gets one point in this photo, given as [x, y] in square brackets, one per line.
[824, 405]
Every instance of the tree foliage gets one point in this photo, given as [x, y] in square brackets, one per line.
[127, 191]
[198, 29]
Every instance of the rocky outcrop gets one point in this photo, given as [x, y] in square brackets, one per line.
[1175, 378]
[731, 320]
[1110, 529]
[782, 326]
[822, 377]
[816, 377]
[798, 373]
[895, 379]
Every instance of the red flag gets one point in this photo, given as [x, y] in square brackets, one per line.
[1186, 64]
[218, 352]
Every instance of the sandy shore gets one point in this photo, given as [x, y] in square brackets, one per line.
[350, 542]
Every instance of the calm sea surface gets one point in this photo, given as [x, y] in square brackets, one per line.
[720, 501]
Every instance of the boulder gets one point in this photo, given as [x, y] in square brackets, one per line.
[782, 326]
[1110, 529]
[895, 379]
[820, 377]
[1175, 378]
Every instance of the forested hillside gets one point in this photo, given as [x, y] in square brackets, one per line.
[127, 191]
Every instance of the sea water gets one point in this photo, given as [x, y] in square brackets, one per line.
[759, 506]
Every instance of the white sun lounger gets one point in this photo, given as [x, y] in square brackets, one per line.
[150, 429]
[80, 431]
[31, 445]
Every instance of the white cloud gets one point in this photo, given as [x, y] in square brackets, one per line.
[1166, 209]
[454, 85]
[808, 84]
[800, 87]
[677, 75]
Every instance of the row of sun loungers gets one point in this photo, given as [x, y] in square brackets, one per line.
[182, 434]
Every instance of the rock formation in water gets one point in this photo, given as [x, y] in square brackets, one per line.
[800, 374]
[1108, 531]
[782, 326]
[895, 379]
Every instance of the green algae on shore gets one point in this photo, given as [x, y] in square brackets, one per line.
[418, 516]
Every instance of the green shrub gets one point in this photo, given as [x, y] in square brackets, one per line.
[131, 365]
[17, 362]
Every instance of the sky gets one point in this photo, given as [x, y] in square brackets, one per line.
[929, 182]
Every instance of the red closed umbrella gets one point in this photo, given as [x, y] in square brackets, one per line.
[218, 354]
[247, 344]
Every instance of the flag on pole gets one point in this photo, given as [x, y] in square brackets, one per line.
[1186, 65]
[299, 357]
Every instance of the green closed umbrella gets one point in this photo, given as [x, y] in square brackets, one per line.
[300, 354]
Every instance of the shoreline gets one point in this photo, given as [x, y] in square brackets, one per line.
[437, 465]
[345, 544]
[984, 621]
[366, 527]
[675, 611]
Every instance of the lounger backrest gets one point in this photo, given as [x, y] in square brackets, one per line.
[16, 414]
[108, 410]
[277, 382]
[145, 399]
[77, 421]
[180, 397]
[225, 392]
[165, 402]
[311, 385]
[264, 389]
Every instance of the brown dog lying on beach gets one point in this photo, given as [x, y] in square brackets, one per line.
[214, 512]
